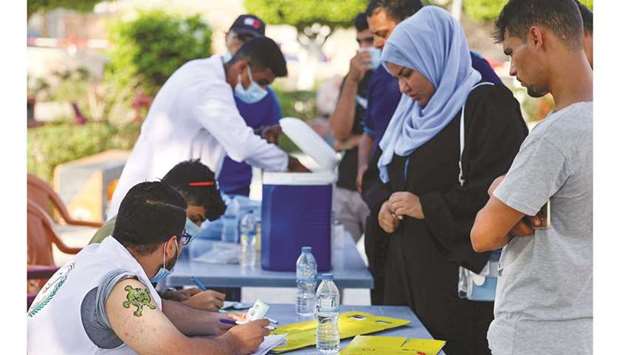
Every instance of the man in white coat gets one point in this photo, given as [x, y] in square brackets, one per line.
[103, 302]
[194, 116]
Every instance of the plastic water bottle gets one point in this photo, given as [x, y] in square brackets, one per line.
[328, 300]
[248, 228]
[306, 282]
[230, 222]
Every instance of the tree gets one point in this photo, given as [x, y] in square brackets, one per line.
[488, 10]
[35, 6]
[315, 21]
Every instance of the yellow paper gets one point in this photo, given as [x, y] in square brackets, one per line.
[302, 334]
[368, 345]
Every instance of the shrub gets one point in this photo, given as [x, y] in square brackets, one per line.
[146, 51]
[60, 142]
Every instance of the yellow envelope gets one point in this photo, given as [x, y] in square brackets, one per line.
[302, 334]
[368, 345]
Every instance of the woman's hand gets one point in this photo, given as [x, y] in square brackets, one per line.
[208, 300]
[405, 203]
[387, 220]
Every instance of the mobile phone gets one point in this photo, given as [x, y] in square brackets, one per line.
[545, 216]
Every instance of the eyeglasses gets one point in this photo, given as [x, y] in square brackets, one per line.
[185, 238]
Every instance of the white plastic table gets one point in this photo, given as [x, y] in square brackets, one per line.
[347, 266]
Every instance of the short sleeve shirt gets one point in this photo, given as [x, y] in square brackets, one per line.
[547, 278]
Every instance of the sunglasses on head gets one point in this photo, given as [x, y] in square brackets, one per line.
[201, 183]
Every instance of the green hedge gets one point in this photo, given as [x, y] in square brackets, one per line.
[57, 143]
[147, 50]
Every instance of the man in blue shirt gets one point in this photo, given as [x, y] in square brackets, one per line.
[260, 110]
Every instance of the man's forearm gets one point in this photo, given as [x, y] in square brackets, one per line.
[491, 229]
[188, 320]
[341, 121]
[364, 147]
[222, 345]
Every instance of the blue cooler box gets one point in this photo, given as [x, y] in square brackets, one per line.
[296, 207]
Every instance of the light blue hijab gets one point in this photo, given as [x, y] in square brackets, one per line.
[434, 44]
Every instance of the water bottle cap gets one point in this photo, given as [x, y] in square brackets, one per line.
[306, 249]
[327, 277]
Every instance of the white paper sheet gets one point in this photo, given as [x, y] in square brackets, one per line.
[270, 342]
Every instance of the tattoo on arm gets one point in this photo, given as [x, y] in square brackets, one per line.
[139, 298]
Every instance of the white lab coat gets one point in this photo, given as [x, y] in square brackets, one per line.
[194, 115]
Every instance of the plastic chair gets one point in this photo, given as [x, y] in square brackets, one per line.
[41, 236]
[42, 194]
[38, 272]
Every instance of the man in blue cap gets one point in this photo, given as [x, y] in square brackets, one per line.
[259, 108]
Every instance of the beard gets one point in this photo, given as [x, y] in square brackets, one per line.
[170, 264]
[536, 92]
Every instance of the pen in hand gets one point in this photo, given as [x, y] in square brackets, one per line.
[199, 283]
[228, 321]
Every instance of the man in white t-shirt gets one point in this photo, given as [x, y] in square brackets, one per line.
[543, 301]
[194, 116]
[103, 301]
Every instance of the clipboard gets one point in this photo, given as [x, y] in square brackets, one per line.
[368, 345]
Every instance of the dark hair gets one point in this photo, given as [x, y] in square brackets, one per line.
[150, 214]
[262, 52]
[197, 184]
[396, 9]
[586, 17]
[562, 17]
[360, 22]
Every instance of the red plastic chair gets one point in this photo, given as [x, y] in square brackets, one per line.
[41, 237]
[42, 194]
[38, 272]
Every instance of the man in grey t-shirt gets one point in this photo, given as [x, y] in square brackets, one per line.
[543, 300]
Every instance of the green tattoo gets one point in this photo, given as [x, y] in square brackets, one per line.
[137, 297]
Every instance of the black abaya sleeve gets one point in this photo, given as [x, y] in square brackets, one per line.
[494, 131]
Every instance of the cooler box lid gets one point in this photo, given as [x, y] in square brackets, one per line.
[300, 179]
[310, 143]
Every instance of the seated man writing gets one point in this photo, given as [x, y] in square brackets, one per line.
[103, 301]
[196, 183]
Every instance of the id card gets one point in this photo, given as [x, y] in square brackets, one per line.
[545, 216]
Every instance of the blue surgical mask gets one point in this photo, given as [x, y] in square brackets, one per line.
[254, 93]
[375, 54]
[163, 271]
[191, 228]
[226, 57]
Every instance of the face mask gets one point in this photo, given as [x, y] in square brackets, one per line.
[254, 93]
[191, 228]
[165, 270]
[226, 57]
[375, 56]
